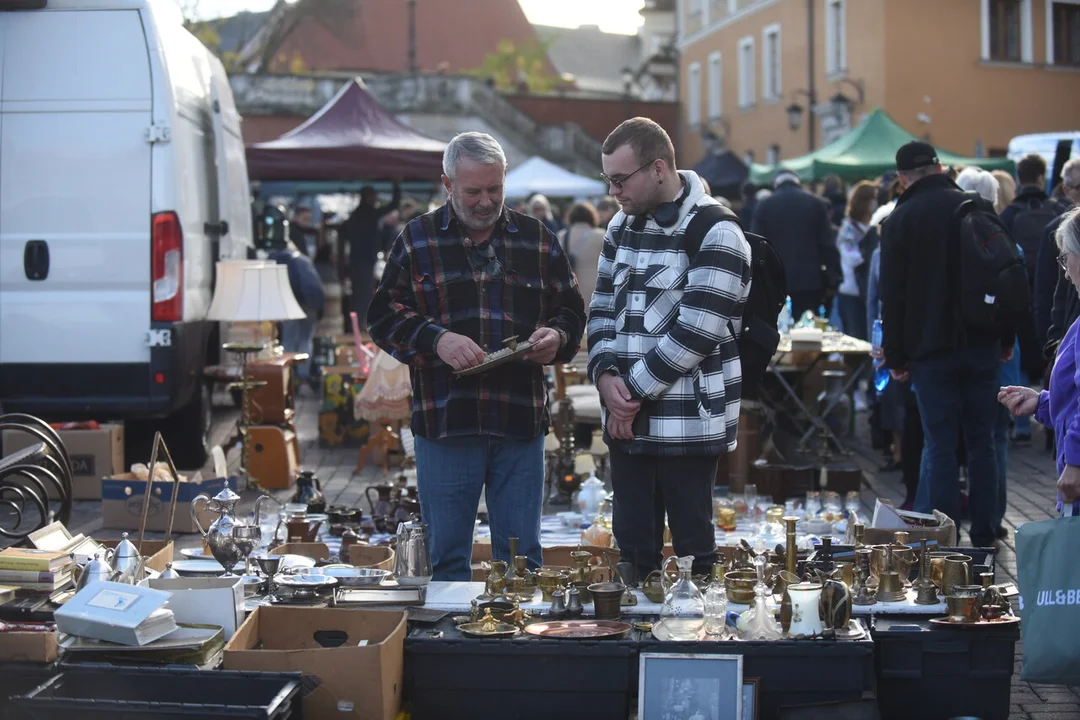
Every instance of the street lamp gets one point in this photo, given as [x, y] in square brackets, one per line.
[794, 116]
[628, 77]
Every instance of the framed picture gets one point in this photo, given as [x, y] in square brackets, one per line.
[679, 686]
[749, 698]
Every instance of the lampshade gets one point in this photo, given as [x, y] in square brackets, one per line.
[253, 291]
[583, 463]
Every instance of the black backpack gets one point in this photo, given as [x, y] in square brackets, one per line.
[768, 292]
[1027, 231]
[994, 294]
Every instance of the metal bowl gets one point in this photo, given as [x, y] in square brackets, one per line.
[350, 576]
[303, 586]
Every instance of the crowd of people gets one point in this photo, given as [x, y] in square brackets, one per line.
[661, 322]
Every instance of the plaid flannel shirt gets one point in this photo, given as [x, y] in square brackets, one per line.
[431, 286]
[668, 327]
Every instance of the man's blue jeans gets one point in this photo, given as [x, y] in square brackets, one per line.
[452, 472]
[958, 390]
[298, 336]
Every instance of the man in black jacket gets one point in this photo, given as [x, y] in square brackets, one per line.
[797, 224]
[954, 371]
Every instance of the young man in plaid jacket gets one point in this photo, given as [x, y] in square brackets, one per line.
[662, 349]
[460, 281]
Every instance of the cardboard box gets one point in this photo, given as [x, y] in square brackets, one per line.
[360, 683]
[205, 601]
[158, 552]
[94, 454]
[34, 647]
[945, 532]
[122, 503]
[379, 557]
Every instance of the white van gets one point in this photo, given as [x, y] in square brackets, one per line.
[122, 180]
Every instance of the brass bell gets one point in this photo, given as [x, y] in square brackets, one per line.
[890, 587]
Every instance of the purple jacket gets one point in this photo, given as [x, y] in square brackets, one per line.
[1059, 407]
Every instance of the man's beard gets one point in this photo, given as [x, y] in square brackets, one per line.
[470, 219]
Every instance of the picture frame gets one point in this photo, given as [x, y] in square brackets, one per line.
[690, 686]
[750, 692]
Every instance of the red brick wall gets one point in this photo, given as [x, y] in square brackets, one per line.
[598, 117]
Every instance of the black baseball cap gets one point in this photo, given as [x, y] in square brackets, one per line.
[914, 155]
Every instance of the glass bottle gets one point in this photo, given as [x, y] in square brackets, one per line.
[716, 603]
[683, 612]
[758, 623]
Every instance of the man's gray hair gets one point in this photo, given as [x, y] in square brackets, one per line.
[1071, 170]
[974, 179]
[478, 147]
[1068, 233]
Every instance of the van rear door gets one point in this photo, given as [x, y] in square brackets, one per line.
[75, 110]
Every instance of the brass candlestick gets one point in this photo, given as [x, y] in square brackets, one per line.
[927, 591]
[791, 551]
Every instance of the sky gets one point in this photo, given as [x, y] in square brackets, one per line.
[619, 16]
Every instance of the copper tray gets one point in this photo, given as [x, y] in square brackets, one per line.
[1005, 620]
[497, 358]
[579, 629]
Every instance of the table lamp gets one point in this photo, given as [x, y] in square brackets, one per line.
[251, 291]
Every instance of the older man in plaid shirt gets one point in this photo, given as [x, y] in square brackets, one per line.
[460, 282]
[662, 350]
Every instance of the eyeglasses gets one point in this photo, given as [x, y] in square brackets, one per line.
[618, 183]
[1063, 260]
[478, 256]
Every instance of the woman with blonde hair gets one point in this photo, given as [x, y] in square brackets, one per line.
[1006, 190]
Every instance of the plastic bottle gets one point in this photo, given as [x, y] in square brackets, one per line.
[784, 321]
[881, 373]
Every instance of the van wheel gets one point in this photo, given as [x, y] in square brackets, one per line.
[187, 431]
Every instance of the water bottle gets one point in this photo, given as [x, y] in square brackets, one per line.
[784, 321]
[881, 373]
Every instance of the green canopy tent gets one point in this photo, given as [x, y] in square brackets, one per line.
[866, 151]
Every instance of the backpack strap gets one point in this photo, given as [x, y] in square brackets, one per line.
[703, 221]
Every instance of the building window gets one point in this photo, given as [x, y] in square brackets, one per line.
[770, 63]
[1065, 34]
[747, 97]
[1007, 31]
[835, 36]
[716, 86]
[693, 94]
[773, 157]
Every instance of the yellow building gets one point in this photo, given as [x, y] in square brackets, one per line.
[966, 74]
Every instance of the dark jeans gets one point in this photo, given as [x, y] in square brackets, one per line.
[911, 444]
[958, 391]
[645, 487]
[852, 310]
[363, 288]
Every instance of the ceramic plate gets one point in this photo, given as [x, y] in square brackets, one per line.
[202, 567]
[592, 629]
[1007, 620]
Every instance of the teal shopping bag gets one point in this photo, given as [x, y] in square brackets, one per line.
[1048, 571]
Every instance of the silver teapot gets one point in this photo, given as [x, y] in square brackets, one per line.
[412, 562]
[129, 564]
[220, 536]
[97, 570]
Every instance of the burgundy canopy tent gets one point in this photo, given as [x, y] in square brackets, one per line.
[351, 138]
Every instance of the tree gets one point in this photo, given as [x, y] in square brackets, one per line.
[511, 68]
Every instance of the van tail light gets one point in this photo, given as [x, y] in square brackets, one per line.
[167, 268]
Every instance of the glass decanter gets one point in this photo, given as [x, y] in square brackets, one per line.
[758, 622]
[683, 612]
[716, 603]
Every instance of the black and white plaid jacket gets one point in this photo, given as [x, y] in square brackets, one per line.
[663, 325]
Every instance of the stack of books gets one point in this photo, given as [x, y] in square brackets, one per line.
[48, 572]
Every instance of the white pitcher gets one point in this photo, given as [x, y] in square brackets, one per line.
[805, 609]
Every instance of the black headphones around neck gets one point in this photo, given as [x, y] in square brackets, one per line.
[666, 214]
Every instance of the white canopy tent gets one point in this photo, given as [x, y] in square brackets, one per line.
[537, 175]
